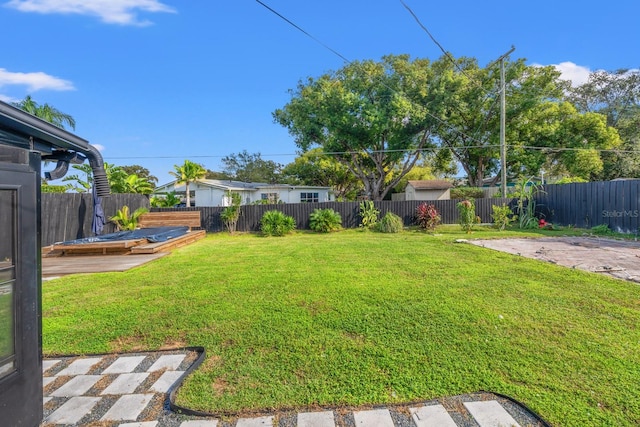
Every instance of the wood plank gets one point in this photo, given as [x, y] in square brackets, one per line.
[169, 219]
[60, 266]
[104, 248]
[152, 248]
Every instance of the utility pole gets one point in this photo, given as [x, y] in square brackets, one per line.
[503, 146]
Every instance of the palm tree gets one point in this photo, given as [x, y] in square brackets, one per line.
[46, 112]
[187, 173]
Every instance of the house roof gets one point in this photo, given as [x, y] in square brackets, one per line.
[432, 184]
[21, 129]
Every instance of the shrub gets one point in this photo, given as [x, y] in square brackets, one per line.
[368, 214]
[231, 214]
[427, 217]
[168, 201]
[276, 223]
[467, 218]
[601, 230]
[124, 221]
[390, 223]
[467, 193]
[502, 216]
[325, 220]
[526, 192]
[46, 188]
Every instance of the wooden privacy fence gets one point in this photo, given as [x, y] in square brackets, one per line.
[586, 205]
[68, 216]
[349, 211]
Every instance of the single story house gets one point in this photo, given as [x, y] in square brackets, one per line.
[435, 189]
[214, 192]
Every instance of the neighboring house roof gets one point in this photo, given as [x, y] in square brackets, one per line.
[432, 184]
[237, 185]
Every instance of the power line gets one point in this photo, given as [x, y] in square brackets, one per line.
[444, 51]
[304, 32]
[429, 149]
[441, 121]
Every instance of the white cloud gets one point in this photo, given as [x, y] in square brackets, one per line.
[99, 147]
[7, 99]
[34, 81]
[121, 12]
[576, 74]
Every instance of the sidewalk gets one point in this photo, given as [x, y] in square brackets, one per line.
[132, 390]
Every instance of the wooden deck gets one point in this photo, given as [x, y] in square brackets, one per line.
[123, 247]
[63, 265]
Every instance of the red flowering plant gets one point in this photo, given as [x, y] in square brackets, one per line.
[427, 217]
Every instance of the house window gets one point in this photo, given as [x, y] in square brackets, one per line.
[269, 197]
[309, 197]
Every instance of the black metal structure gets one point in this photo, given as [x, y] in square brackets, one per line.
[25, 141]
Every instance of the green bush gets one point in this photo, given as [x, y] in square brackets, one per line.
[467, 211]
[390, 223]
[601, 230]
[231, 214]
[125, 221]
[325, 220]
[502, 216]
[276, 223]
[46, 188]
[467, 193]
[368, 214]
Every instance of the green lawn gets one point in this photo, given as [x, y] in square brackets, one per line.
[361, 318]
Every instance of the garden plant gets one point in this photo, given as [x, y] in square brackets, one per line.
[368, 214]
[467, 215]
[427, 217]
[502, 216]
[276, 223]
[325, 220]
[390, 223]
[231, 214]
[128, 221]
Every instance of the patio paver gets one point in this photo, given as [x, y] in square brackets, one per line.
[128, 407]
[80, 366]
[124, 365]
[432, 416]
[76, 386]
[73, 410]
[316, 419]
[373, 418]
[490, 414]
[169, 362]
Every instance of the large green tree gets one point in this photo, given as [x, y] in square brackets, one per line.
[372, 117]
[567, 143]
[251, 167]
[616, 95]
[141, 172]
[46, 112]
[187, 173]
[316, 168]
[470, 112]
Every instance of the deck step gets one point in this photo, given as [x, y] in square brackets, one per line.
[152, 248]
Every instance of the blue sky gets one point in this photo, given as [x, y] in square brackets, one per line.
[154, 82]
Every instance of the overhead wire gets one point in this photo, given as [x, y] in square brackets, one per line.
[441, 121]
[526, 147]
